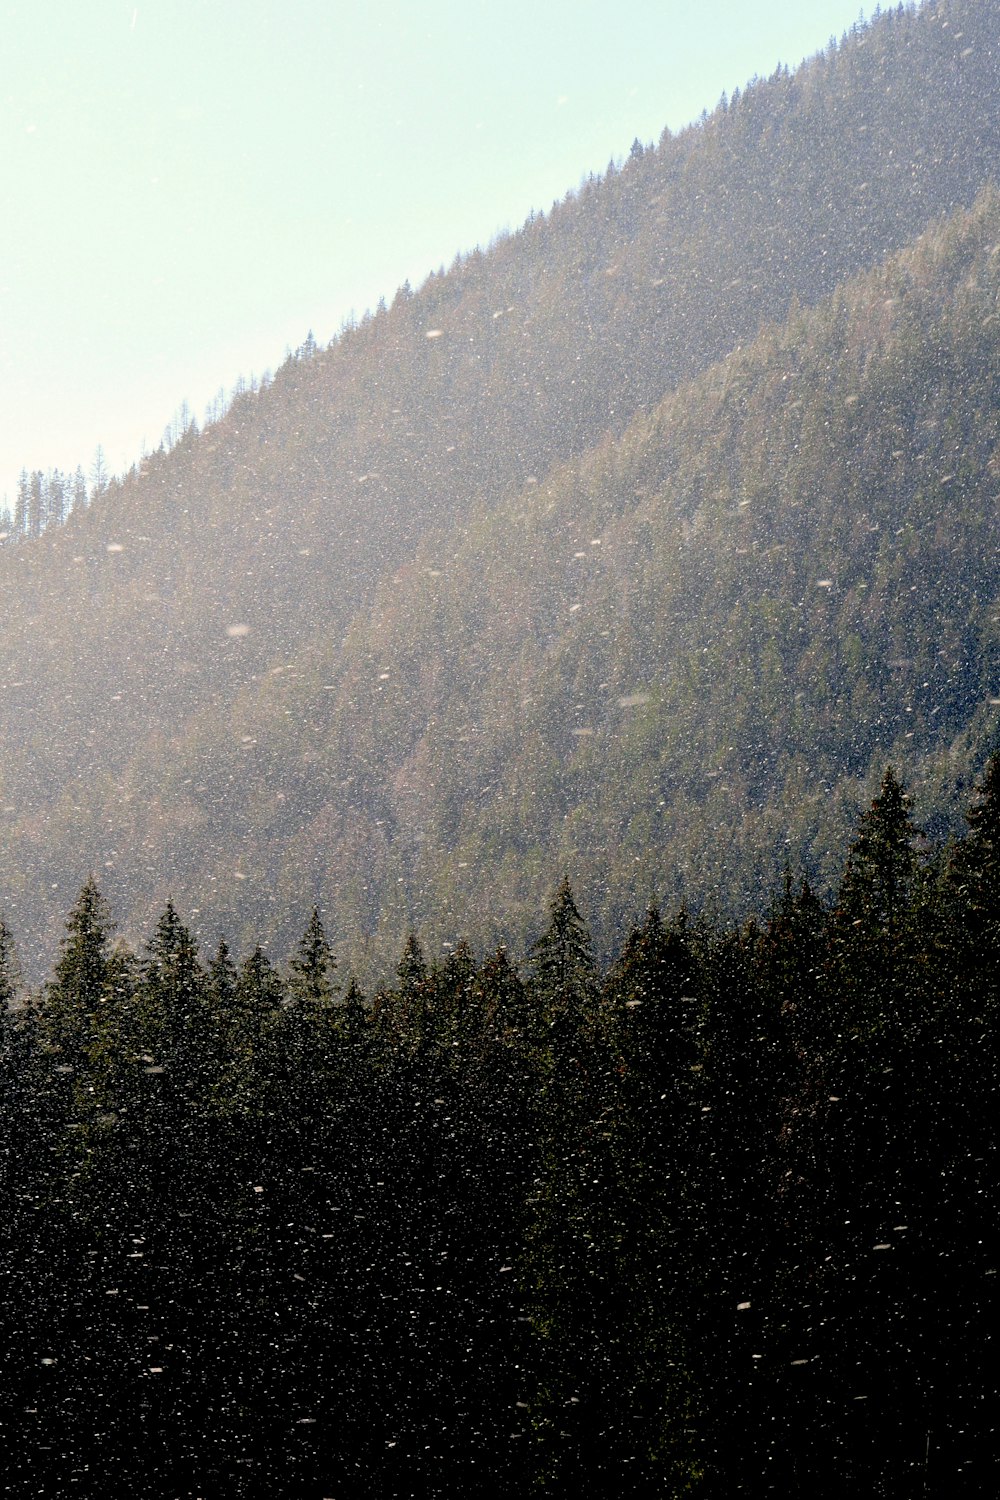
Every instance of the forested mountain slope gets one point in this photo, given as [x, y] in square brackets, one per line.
[189, 694]
[670, 666]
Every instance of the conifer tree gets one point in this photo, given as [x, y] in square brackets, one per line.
[566, 1261]
[258, 997]
[311, 985]
[222, 979]
[564, 974]
[172, 986]
[791, 956]
[73, 999]
[246, 1028]
[881, 863]
[55, 499]
[79, 491]
[21, 504]
[453, 1019]
[36, 503]
[404, 1018]
[652, 995]
[869, 932]
[655, 1012]
[411, 971]
[306, 1035]
[503, 1002]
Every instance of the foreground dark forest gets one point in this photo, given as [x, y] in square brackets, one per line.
[719, 1221]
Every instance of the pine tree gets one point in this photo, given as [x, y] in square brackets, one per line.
[411, 971]
[306, 1035]
[222, 979]
[311, 986]
[503, 1002]
[870, 947]
[652, 995]
[99, 472]
[79, 489]
[70, 1020]
[21, 504]
[248, 1031]
[655, 1012]
[36, 503]
[881, 864]
[404, 1015]
[452, 1020]
[564, 974]
[172, 987]
[567, 1263]
[55, 499]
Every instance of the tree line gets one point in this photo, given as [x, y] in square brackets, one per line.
[43, 499]
[720, 1219]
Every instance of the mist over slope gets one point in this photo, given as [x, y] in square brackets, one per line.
[342, 645]
[676, 663]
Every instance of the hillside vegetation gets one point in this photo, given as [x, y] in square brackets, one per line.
[345, 632]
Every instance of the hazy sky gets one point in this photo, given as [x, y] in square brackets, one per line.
[189, 186]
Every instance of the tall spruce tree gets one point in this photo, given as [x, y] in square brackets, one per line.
[566, 1264]
[869, 929]
[563, 970]
[405, 1014]
[71, 1013]
[172, 986]
[307, 1034]
[256, 1006]
[311, 984]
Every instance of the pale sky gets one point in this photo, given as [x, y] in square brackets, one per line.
[189, 186]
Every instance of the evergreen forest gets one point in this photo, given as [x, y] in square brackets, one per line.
[499, 864]
[717, 1219]
[636, 543]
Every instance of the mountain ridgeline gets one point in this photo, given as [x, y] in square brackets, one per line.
[634, 545]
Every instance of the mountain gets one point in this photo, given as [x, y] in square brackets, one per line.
[651, 529]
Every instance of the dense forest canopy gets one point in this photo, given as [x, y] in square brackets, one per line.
[717, 1219]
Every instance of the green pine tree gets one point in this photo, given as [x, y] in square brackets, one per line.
[71, 1020]
[311, 983]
